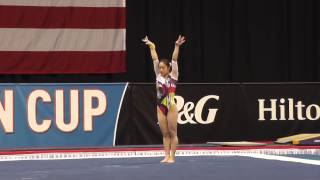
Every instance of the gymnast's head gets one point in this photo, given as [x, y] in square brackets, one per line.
[164, 67]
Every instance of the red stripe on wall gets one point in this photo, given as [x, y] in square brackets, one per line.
[65, 62]
[62, 17]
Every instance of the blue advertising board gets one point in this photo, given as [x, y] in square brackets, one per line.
[59, 115]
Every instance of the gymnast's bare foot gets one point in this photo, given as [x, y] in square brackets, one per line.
[171, 160]
[165, 160]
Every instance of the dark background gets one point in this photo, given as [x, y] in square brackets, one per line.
[227, 41]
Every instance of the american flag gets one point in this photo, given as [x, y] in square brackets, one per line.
[62, 36]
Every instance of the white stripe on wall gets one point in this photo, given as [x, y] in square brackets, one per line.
[19, 39]
[118, 114]
[65, 3]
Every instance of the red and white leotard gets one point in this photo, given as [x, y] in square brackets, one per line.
[166, 87]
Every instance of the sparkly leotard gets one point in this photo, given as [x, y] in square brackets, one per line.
[166, 87]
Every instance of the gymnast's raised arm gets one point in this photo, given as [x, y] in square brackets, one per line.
[154, 54]
[175, 54]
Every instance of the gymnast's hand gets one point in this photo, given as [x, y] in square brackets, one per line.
[180, 40]
[148, 42]
[152, 48]
[178, 43]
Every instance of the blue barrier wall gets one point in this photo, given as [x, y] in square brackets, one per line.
[31, 115]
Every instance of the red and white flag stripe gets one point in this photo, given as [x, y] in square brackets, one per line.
[62, 36]
[65, 3]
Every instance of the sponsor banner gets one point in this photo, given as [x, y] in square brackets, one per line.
[59, 115]
[223, 112]
[93, 115]
[278, 110]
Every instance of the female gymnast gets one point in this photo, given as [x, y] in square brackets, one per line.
[166, 78]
